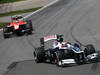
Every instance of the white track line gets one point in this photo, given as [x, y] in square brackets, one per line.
[53, 2]
[41, 8]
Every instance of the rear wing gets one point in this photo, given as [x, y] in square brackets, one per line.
[46, 39]
[50, 37]
[16, 17]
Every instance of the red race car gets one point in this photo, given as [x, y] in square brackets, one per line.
[17, 27]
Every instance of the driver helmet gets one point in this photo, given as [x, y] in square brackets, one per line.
[60, 40]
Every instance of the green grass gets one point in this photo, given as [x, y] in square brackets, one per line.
[19, 12]
[8, 1]
[2, 24]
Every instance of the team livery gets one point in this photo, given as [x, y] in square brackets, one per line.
[64, 53]
[17, 27]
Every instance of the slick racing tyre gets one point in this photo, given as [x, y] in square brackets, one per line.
[38, 55]
[29, 27]
[89, 49]
[59, 57]
[6, 36]
[80, 59]
[5, 33]
[29, 32]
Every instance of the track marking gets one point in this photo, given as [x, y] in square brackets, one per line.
[53, 2]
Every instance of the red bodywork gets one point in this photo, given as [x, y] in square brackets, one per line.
[16, 24]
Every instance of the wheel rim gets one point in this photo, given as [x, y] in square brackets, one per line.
[35, 57]
[59, 63]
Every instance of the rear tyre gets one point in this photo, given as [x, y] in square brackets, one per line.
[6, 36]
[89, 49]
[59, 57]
[5, 33]
[38, 55]
[29, 27]
[29, 32]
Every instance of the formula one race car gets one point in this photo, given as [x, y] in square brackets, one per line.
[17, 27]
[64, 53]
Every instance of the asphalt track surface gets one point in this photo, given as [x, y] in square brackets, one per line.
[78, 20]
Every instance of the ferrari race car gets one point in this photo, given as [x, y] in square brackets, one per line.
[17, 27]
[65, 53]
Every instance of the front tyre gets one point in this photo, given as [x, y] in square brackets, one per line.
[5, 33]
[59, 56]
[90, 49]
[80, 58]
[38, 55]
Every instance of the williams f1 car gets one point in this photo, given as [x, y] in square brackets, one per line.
[17, 26]
[64, 53]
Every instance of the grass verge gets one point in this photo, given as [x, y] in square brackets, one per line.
[8, 1]
[19, 12]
